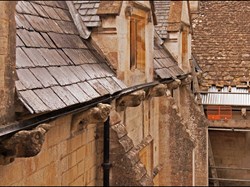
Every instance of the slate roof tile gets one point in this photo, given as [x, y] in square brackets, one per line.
[22, 60]
[88, 11]
[162, 12]
[32, 39]
[62, 77]
[44, 76]
[63, 14]
[79, 56]
[52, 57]
[52, 12]
[19, 42]
[48, 40]
[40, 10]
[48, 96]
[88, 89]
[98, 87]
[22, 22]
[33, 101]
[28, 79]
[78, 93]
[67, 27]
[164, 65]
[79, 72]
[25, 8]
[35, 56]
[66, 41]
[221, 35]
[55, 68]
[65, 95]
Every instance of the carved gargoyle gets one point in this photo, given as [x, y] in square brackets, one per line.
[25, 143]
[175, 84]
[158, 90]
[96, 114]
[132, 100]
[187, 80]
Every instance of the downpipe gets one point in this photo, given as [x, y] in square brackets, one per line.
[106, 162]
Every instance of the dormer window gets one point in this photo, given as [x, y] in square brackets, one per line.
[137, 43]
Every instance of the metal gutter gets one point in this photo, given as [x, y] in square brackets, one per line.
[47, 117]
[228, 129]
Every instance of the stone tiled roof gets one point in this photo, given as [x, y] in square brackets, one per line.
[55, 67]
[162, 11]
[221, 42]
[88, 12]
[164, 65]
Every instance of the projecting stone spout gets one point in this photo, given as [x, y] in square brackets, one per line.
[25, 143]
[158, 90]
[174, 85]
[98, 114]
[132, 100]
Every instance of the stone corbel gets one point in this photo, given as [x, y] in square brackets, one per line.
[158, 90]
[25, 143]
[174, 85]
[187, 80]
[98, 114]
[128, 11]
[132, 100]
[199, 75]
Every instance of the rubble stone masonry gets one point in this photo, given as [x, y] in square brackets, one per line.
[7, 60]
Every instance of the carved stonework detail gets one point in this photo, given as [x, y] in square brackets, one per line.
[187, 80]
[132, 100]
[158, 90]
[175, 84]
[25, 143]
[98, 114]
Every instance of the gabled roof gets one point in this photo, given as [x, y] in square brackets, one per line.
[88, 12]
[162, 9]
[221, 42]
[164, 64]
[55, 67]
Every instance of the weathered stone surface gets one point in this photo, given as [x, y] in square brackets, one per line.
[7, 61]
[221, 33]
[132, 100]
[25, 143]
[120, 129]
[98, 114]
[115, 117]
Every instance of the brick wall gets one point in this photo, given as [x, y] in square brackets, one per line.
[7, 60]
[65, 159]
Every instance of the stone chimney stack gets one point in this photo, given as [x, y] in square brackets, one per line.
[7, 60]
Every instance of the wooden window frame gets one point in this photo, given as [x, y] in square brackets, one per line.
[137, 43]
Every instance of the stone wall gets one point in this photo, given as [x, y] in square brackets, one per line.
[176, 146]
[196, 123]
[113, 40]
[231, 149]
[7, 60]
[67, 158]
[128, 168]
